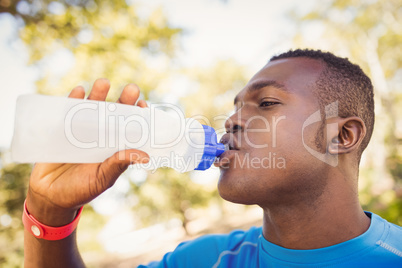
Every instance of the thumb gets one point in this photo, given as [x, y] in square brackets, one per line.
[110, 170]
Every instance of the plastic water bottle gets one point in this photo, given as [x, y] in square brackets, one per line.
[66, 130]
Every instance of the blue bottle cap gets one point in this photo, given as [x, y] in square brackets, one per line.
[212, 149]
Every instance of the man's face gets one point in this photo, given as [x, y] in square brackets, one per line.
[268, 162]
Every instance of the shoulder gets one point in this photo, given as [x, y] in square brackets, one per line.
[393, 236]
[395, 229]
[389, 246]
[391, 231]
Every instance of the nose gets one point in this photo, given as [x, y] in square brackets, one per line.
[234, 123]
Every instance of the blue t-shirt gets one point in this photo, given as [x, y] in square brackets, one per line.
[379, 246]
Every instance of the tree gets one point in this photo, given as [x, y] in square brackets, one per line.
[13, 185]
[216, 87]
[97, 39]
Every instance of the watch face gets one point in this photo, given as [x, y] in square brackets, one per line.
[35, 230]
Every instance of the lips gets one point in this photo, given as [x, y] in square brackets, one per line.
[230, 140]
[224, 159]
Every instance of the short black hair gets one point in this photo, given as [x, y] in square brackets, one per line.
[344, 82]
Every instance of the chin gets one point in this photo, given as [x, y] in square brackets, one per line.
[234, 189]
[235, 198]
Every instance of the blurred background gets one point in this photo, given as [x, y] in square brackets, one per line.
[197, 55]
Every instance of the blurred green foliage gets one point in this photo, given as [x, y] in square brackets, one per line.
[101, 38]
[167, 194]
[13, 185]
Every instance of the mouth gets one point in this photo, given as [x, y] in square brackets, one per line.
[231, 146]
[224, 159]
[230, 141]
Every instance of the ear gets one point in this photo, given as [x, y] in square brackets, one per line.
[347, 137]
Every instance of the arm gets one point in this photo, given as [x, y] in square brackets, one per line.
[44, 253]
[56, 191]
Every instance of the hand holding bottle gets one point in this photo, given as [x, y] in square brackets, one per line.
[56, 190]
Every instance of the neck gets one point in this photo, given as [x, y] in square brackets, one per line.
[335, 217]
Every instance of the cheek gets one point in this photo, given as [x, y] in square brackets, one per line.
[289, 145]
[262, 134]
[256, 139]
[286, 137]
[298, 147]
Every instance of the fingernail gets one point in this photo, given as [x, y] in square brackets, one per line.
[144, 160]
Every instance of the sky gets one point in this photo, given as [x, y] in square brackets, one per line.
[249, 31]
[16, 78]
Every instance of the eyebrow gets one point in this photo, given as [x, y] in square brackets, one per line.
[262, 84]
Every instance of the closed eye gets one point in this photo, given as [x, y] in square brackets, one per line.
[267, 103]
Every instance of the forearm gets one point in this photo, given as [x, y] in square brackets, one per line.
[44, 253]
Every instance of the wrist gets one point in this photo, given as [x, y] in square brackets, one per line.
[47, 213]
[42, 231]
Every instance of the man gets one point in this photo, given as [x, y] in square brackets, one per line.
[313, 110]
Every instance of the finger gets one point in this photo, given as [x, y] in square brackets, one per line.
[129, 95]
[115, 165]
[142, 104]
[77, 93]
[99, 89]
[131, 156]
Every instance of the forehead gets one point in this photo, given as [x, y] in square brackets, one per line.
[292, 75]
